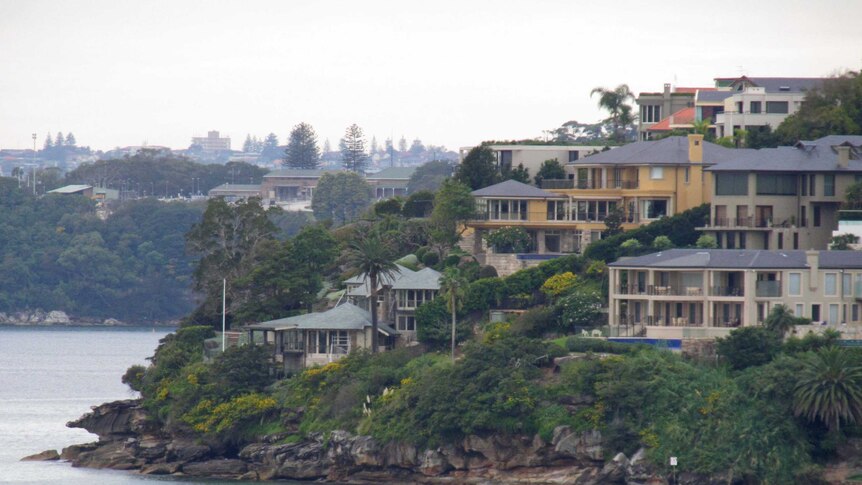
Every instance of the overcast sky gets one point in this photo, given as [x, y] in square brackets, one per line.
[453, 73]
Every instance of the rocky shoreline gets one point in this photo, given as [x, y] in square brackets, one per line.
[130, 440]
[59, 318]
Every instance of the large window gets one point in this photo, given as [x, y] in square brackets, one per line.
[794, 284]
[755, 107]
[847, 288]
[557, 210]
[507, 210]
[829, 185]
[406, 323]
[653, 208]
[831, 284]
[656, 173]
[731, 184]
[505, 160]
[409, 299]
[779, 184]
[592, 210]
[779, 107]
[651, 113]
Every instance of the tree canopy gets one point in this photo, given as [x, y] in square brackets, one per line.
[352, 147]
[302, 151]
[478, 169]
[340, 197]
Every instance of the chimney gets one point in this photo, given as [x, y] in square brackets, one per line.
[695, 148]
[666, 88]
[843, 156]
[812, 258]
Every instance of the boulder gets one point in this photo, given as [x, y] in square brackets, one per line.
[161, 469]
[505, 452]
[57, 318]
[224, 468]
[433, 464]
[116, 455]
[401, 455]
[72, 452]
[585, 446]
[364, 451]
[184, 451]
[641, 472]
[114, 420]
[614, 471]
[47, 455]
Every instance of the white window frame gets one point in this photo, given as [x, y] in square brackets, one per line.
[656, 173]
[790, 279]
[800, 310]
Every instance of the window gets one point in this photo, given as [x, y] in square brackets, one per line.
[794, 284]
[831, 284]
[687, 174]
[780, 184]
[406, 323]
[803, 217]
[592, 210]
[656, 173]
[847, 285]
[741, 240]
[557, 210]
[779, 107]
[803, 182]
[811, 181]
[505, 160]
[855, 312]
[833, 313]
[731, 184]
[654, 208]
[573, 155]
[858, 283]
[739, 106]
[754, 107]
[651, 113]
[829, 185]
[815, 312]
[780, 240]
[816, 217]
[800, 310]
[507, 210]
[795, 240]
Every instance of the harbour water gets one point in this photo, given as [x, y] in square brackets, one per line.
[51, 375]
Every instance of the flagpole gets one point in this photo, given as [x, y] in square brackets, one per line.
[223, 305]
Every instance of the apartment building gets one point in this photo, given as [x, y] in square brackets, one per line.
[509, 156]
[653, 108]
[705, 293]
[212, 142]
[756, 102]
[785, 197]
[646, 180]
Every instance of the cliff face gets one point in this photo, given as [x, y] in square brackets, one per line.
[128, 440]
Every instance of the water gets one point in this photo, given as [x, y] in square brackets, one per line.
[51, 375]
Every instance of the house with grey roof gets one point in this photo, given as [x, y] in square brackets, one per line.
[390, 182]
[286, 186]
[235, 192]
[705, 293]
[785, 197]
[398, 296]
[319, 338]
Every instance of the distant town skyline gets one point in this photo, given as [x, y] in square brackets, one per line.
[120, 73]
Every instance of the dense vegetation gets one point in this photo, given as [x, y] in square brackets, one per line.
[55, 254]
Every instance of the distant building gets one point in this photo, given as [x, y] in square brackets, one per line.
[85, 190]
[212, 142]
[532, 156]
[390, 182]
[234, 192]
[656, 107]
[285, 186]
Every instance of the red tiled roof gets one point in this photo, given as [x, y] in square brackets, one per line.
[684, 116]
[692, 90]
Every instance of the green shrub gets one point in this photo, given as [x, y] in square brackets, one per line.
[430, 259]
[388, 206]
[748, 346]
[534, 322]
[134, 377]
[420, 253]
[487, 272]
[434, 325]
[706, 242]
[661, 243]
[581, 344]
[512, 239]
[452, 260]
[580, 309]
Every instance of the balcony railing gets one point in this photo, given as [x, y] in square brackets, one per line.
[749, 222]
[726, 291]
[725, 322]
[659, 321]
[768, 289]
[544, 216]
[658, 290]
[588, 184]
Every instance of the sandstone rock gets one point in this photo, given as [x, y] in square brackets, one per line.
[224, 468]
[401, 455]
[111, 322]
[161, 469]
[433, 464]
[640, 472]
[47, 455]
[365, 451]
[506, 452]
[185, 451]
[614, 471]
[57, 318]
[114, 454]
[586, 446]
[114, 420]
[72, 452]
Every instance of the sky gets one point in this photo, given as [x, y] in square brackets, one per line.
[452, 73]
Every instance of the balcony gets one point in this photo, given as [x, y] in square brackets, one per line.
[726, 291]
[561, 184]
[658, 321]
[657, 290]
[762, 222]
[768, 289]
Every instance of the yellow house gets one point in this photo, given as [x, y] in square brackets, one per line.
[642, 181]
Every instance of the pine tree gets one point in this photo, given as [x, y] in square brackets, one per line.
[269, 147]
[352, 148]
[49, 143]
[374, 147]
[327, 147]
[417, 148]
[402, 144]
[248, 146]
[70, 140]
[302, 151]
[59, 140]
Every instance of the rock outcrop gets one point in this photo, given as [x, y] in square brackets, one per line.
[128, 440]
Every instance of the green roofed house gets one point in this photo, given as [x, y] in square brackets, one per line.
[319, 338]
[390, 182]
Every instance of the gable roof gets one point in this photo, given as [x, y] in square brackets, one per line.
[672, 150]
[424, 279]
[807, 156]
[299, 173]
[683, 117]
[515, 189]
[346, 316]
[396, 173]
[384, 280]
[740, 259]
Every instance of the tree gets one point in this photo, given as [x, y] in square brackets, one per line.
[374, 147]
[706, 242]
[519, 174]
[417, 148]
[853, 196]
[418, 204]
[615, 102]
[248, 145]
[302, 151]
[453, 286]
[371, 257]
[829, 388]
[327, 147]
[270, 149]
[429, 176]
[402, 144]
[614, 221]
[833, 108]
[340, 197]
[453, 206]
[781, 320]
[70, 140]
[842, 242]
[352, 148]
[48, 143]
[661, 243]
[512, 239]
[748, 347]
[550, 170]
[580, 309]
[479, 169]
[60, 140]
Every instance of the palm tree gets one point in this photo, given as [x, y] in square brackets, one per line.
[370, 256]
[452, 287]
[615, 101]
[829, 388]
[780, 320]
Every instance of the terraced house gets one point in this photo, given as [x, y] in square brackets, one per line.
[704, 293]
[645, 181]
[785, 197]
